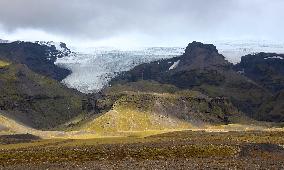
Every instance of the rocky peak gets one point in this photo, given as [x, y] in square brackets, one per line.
[39, 58]
[195, 46]
[199, 55]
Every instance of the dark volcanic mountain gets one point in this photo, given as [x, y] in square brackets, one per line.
[202, 68]
[38, 58]
[267, 69]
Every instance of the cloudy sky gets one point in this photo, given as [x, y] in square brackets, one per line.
[141, 22]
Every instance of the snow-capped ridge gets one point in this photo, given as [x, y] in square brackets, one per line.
[274, 57]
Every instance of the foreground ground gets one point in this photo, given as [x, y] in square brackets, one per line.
[175, 150]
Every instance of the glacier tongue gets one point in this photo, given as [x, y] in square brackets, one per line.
[91, 72]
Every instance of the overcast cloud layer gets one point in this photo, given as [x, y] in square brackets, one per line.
[145, 22]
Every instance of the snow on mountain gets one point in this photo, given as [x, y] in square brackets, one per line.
[274, 57]
[59, 46]
[174, 65]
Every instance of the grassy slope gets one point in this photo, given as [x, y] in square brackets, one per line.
[3, 63]
[170, 109]
[36, 100]
[122, 119]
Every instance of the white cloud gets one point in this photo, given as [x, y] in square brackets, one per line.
[136, 22]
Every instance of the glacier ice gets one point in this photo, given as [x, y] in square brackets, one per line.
[93, 68]
[91, 72]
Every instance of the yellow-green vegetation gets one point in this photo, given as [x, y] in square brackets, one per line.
[9, 126]
[123, 120]
[184, 145]
[151, 112]
[3, 63]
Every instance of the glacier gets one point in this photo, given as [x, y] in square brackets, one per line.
[92, 72]
[93, 68]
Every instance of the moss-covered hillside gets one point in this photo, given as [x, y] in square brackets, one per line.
[36, 100]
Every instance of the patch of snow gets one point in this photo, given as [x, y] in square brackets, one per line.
[174, 66]
[274, 57]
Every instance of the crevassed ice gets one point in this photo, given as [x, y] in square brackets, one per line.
[91, 72]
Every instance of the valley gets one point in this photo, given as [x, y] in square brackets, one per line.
[186, 111]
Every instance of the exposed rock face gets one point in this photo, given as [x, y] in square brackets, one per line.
[38, 58]
[203, 56]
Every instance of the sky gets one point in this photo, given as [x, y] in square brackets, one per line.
[140, 22]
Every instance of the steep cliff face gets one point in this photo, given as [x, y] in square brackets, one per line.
[202, 68]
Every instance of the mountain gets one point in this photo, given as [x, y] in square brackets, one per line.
[197, 88]
[30, 92]
[38, 58]
[267, 69]
[36, 100]
[203, 69]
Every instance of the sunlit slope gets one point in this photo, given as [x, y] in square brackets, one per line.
[122, 119]
[9, 126]
[3, 63]
[132, 112]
